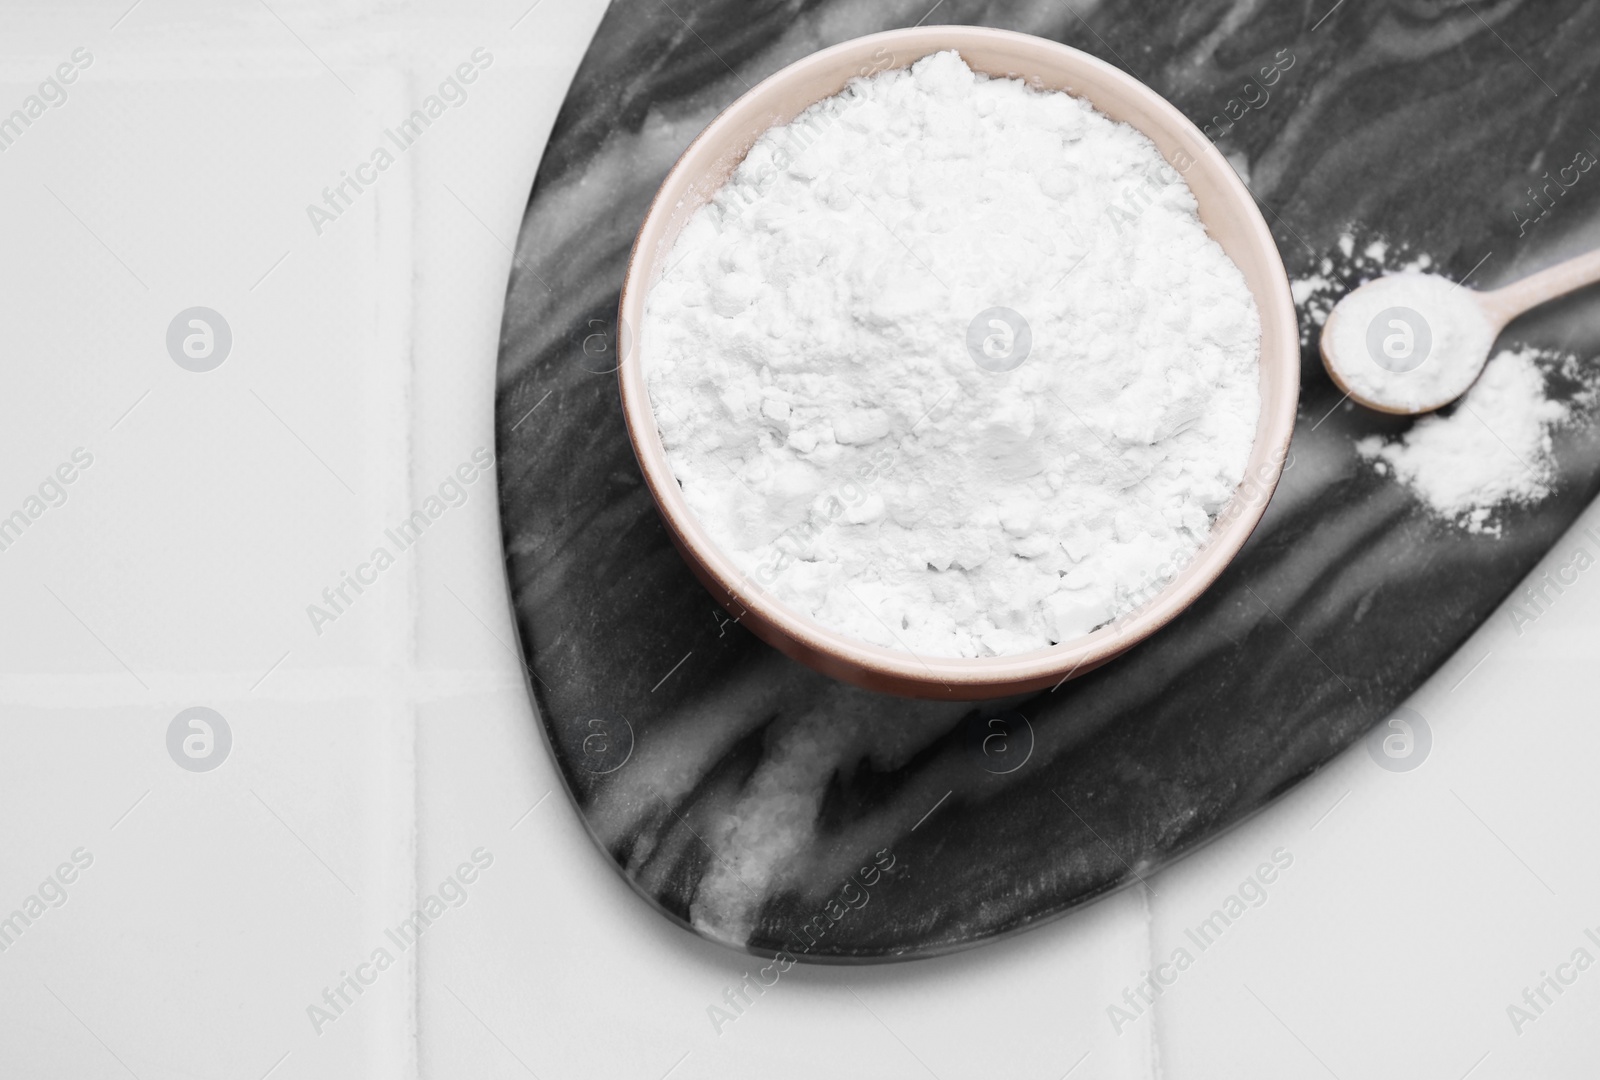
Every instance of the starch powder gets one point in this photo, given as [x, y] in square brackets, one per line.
[1409, 341]
[951, 365]
[1494, 449]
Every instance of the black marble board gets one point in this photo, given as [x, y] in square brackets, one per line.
[772, 809]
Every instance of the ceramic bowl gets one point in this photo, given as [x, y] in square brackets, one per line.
[1230, 215]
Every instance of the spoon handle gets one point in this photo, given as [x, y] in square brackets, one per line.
[1506, 303]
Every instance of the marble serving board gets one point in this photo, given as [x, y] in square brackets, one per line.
[772, 809]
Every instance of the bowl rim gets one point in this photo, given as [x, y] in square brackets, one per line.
[903, 671]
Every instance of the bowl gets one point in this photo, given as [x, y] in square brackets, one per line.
[1229, 213]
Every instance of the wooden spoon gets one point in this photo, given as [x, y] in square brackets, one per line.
[1378, 340]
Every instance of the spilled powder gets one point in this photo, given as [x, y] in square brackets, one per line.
[1494, 449]
[1344, 267]
[1491, 450]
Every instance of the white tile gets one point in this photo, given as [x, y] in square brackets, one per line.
[210, 909]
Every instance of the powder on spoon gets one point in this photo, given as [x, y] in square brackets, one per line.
[1409, 341]
[951, 365]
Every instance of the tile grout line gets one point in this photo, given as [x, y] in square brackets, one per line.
[395, 302]
[405, 224]
[1153, 1044]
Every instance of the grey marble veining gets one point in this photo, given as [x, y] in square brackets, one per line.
[770, 808]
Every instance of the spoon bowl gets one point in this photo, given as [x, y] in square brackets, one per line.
[1411, 343]
[1407, 343]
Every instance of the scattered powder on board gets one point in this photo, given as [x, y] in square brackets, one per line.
[1494, 449]
[1336, 273]
[1491, 450]
[951, 365]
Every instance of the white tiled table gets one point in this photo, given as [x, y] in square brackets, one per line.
[372, 759]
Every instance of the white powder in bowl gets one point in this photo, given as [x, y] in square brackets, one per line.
[1409, 341]
[951, 365]
[1493, 449]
